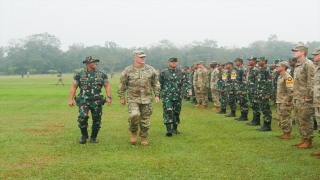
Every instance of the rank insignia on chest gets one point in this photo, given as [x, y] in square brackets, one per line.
[233, 75]
[224, 76]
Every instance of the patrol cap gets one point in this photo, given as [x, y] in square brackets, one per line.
[186, 66]
[139, 54]
[90, 59]
[220, 64]
[277, 61]
[173, 59]
[229, 62]
[316, 52]
[238, 59]
[201, 62]
[252, 58]
[293, 59]
[214, 62]
[300, 48]
[283, 64]
[262, 58]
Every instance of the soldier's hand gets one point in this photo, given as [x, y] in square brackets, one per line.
[307, 100]
[123, 101]
[157, 99]
[267, 96]
[231, 92]
[288, 103]
[255, 96]
[71, 103]
[243, 92]
[189, 93]
[108, 100]
[222, 91]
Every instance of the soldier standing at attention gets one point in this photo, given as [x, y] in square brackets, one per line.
[251, 81]
[316, 91]
[171, 83]
[231, 88]
[275, 76]
[303, 96]
[241, 90]
[263, 90]
[213, 82]
[201, 80]
[194, 81]
[221, 86]
[138, 80]
[60, 78]
[90, 97]
[292, 64]
[284, 100]
[209, 71]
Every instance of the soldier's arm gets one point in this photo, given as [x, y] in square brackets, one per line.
[310, 81]
[186, 82]
[243, 83]
[122, 85]
[155, 84]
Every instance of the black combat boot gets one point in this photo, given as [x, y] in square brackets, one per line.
[239, 117]
[169, 130]
[315, 124]
[175, 129]
[294, 122]
[232, 114]
[255, 121]
[222, 111]
[266, 126]
[94, 134]
[243, 117]
[188, 98]
[84, 136]
[194, 100]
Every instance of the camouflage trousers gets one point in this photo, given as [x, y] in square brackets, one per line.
[243, 102]
[232, 102]
[317, 114]
[303, 113]
[284, 117]
[183, 92]
[139, 116]
[215, 97]
[96, 111]
[254, 104]
[264, 107]
[223, 97]
[171, 112]
[209, 93]
[202, 96]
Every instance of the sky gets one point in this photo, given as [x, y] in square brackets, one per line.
[142, 23]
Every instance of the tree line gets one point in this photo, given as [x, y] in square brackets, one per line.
[41, 54]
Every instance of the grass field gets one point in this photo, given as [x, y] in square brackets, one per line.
[39, 140]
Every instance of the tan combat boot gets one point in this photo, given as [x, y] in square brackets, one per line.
[202, 107]
[133, 138]
[315, 154]
[285, 136]
[216, 108]
[144, 142]
[197, 105]
[307, 144]
[299, 143]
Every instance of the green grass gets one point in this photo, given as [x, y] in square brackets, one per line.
[39, 140]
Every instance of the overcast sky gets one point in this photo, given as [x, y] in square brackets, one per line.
[141, 23]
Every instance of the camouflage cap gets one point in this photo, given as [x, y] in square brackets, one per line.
[283, 64]
[252, 58]
[229, 62]
[90, 59]
[316, 52]
[293, 59]
[139, 54]
[220, 64]
[173, 59]
[186, 66]
[262, 58]
[300, 48]
[201, 62]
[238, 59]
[214, 62]
[277, 61]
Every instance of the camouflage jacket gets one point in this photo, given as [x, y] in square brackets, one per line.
[171, 82]
[241, 81]
[231, 80]
[90, 83]
[263, 83]
[209, 78]
[316, 89]
[285, 88]
[222, 79]
[303, 80]
[139, 83]
[252, 80]
[195, 78]
[214, 78]
[275, 76]
[201, 78]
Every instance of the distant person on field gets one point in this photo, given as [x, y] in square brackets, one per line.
[28, 73]
[22, 74]
[90, 81]
[60, 78]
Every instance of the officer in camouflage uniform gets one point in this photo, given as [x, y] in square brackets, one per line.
[303, 96]
[184, 91]
[284, 100]
[200, 81]
[171, 83]
[292, 64]
[192, 75]
[241, 89]
[231, 88]
[221, 88]
[213, 82]
[138, 80]
[90, 81]
[251, 81]
[316, 91]
[275, 76]
[209, 71]
[263, 90]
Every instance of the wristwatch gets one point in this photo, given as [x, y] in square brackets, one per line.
[110, 97]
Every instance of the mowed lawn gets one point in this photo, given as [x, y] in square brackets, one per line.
[39, 140]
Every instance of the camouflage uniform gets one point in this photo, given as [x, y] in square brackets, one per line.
[171, 81]
[60, 79]
[263, 86]
[191, 79]
[316, 91]
[139, 82]
[201, 79]
[241, 86]
[208, 85]
[221, 85]
[231, 88]
[284, 94]
[213, 82]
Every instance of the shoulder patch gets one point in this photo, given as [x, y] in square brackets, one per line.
[289, 81]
